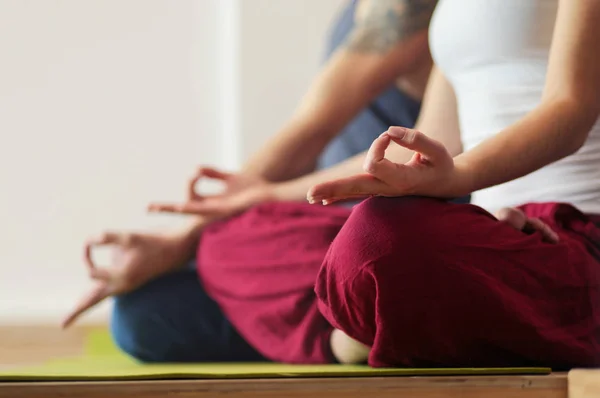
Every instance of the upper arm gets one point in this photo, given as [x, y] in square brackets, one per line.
[382, 26]
[439, 114]
[389, 38]
[574, 66]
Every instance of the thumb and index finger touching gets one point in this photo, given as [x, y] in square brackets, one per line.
[102, 287]
[194, 202]
[376, 164]
[205, 172]
[107, 238]
[426, 149]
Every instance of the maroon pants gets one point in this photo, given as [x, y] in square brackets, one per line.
[424, 282]
[428, 283]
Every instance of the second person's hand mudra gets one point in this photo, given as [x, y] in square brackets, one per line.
[240, 193]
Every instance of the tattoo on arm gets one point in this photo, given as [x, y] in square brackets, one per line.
[387, 22]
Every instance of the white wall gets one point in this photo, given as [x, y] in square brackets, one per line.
[282, 47]
[108, 104]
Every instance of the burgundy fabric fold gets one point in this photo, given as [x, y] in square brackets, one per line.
[261, 267]
[429, 283]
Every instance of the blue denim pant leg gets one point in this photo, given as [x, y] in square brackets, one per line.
[172, 319]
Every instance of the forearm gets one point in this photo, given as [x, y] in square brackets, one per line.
[551, 132]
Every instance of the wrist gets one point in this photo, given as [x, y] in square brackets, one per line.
[187, 238]
[288, 191]
[463, 178]
[278, 191]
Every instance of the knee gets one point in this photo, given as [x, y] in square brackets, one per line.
[382, 240]
[380, 229]
[138, 331]
[379, 211]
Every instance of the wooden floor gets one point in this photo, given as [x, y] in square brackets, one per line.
[553, 386]
[18, 345]
[31, 345]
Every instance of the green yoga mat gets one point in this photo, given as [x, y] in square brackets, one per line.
[103, 361]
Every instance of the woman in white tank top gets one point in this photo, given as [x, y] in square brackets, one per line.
[511, 115]
[526, 78]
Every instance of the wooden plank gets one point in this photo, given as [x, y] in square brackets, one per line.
[551, 386]
[584, 383]
[29, 344]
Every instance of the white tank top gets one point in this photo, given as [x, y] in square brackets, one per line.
[495, 55]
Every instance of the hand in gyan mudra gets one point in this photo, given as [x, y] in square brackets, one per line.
[430, 171]
[240, 193]
[137, 258]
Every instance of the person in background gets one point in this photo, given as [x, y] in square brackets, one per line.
[422, 282]
[238, 284]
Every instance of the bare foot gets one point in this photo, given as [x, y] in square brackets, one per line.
[347, 350]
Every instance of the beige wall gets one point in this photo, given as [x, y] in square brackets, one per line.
[107, 104]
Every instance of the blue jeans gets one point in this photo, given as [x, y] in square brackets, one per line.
[172, 319]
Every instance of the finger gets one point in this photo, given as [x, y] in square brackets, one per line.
[359, 186]
[93, 297]
[393, 174]
[376, 152]
[330, 201]
[165, 208]
[104, 239]
[100, 274]
[514, 217]
[430, 150]
[375, 162]
[192, 194]
[203, 172]
[107, 238]
[211, 172]
[188, 207]
[206, 207]
[547, 233]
